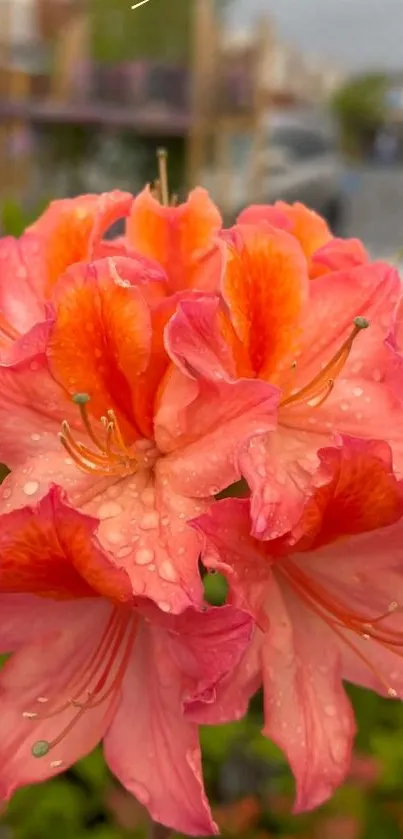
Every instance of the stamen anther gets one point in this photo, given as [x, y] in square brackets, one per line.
[41, 748]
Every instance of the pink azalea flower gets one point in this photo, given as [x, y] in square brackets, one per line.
[91, 663]
[321, 342]
[135, 442]
[328, 601]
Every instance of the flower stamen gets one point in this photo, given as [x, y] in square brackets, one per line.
[323, 383]
[111, 457]
[107, 665]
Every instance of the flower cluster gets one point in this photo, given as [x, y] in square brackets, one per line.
[141, 377]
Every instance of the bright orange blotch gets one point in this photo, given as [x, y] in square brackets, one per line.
[71, 228]
[362, 495]
[177, 237]
[265, 288]
[100, 342]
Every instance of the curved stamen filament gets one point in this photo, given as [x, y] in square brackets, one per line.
[322, 384]
[116, 644]
[111, 457]
[338, 618]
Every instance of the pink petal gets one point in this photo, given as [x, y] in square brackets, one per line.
[364, 577]
[24, 617]
[151, 748]
[195, 342]
[369, 291]
[278, 468]
[230, 549]
[22, 267]
[204, 424]
[232, 695]
[338, 255]
[49, 667]
[307, 713]
[143, 529]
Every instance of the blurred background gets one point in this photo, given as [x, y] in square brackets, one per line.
[257, 100]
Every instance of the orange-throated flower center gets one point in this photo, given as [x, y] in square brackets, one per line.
[110, 454]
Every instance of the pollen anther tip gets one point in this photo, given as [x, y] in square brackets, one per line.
[361, 323]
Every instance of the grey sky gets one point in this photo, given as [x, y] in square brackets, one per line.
[351, 33]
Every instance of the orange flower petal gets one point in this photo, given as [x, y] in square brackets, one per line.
[308, 227]
[265, 287]
[358, 493]
[71, 228]
[178, 237]
[48, 550]
[101, 338]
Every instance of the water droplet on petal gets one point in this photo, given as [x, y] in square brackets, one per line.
[358, 391]
[167, 571]
[148, 497]
[143, 556]
[330, 710]
[392, 693]
[150, 520]
[55, 764]
[35, 437]
[344, 406]
[123, 552]
[109, 509]
[164, 606]
[31, 487]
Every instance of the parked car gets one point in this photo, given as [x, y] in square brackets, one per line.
[299, 161]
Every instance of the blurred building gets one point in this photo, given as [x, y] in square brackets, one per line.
[50, 74]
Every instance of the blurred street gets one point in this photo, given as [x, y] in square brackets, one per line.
[375, 210]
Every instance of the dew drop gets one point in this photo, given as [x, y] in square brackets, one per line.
[167, 571]
[143, 556]
[151, 567]
[164, 606]
[150, 520]
[392, 693]
[40, 748]
[31, 487]
[114, 537]
[358, 391]
[35, 437]
[330, 710]
[29, 715]
[55, 764]
[124, 551]
[109, 510]
[344, 406]
[6, 493]
[148, 497]
[393, 606]
[42, 699]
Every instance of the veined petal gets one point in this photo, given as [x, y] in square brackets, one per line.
[203, 424]
[50, 550]
[150, 747]
[307, 713]
[265, 288]
[27, 616]
[101, 340]
[72, 228]
[338, 255]
[308, 227]
[40, 679]
[143, 529]
[21, 300]
[180, 238]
